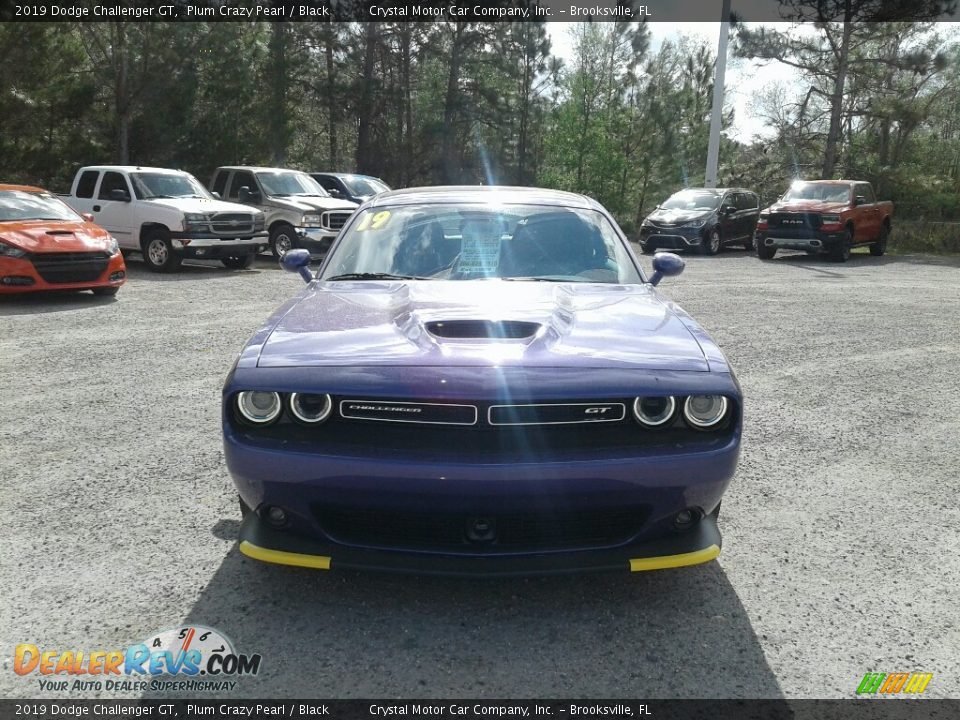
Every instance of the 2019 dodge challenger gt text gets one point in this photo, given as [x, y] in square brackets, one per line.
[481, 380]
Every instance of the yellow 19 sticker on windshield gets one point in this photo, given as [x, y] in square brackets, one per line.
[374, 221]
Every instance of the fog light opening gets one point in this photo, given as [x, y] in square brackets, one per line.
[686, 519]
[275, 515]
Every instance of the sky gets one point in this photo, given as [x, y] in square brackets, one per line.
[744, 78]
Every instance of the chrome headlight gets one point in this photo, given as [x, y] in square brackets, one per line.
[830, 219]
[654, 411]
[259, 223]
[310, 408]
[194, 220]
[698, 223]
[10, 251]
[259, 408]
[113, 247]
[703, 412]
[311, 220]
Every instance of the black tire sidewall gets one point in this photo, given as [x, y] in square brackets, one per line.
[173, 259]
[276, 232]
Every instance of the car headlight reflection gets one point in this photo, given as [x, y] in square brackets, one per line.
[705, 411]
[310, 408]
[654, 411]
[259, 408]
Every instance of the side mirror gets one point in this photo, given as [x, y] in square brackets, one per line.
[245, 194]
[297, 261]
[666, 265]
[729, 209]
[87, 216]
[216, 195]
[861, 200]
[335, 192]
[119, 195]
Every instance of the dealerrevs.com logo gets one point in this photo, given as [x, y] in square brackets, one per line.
[894, 683]
[188, 658]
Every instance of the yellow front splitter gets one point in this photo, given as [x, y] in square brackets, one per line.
[282, 557]
[674, 561]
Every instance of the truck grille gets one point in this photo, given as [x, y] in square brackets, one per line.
[73, 267]
[794, 221]
[334, 220]
[481, 533]
[232, 224]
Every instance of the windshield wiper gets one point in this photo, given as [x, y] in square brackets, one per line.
[541, 278]
[375, 276]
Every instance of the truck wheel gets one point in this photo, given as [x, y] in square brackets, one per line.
[283, 238]
[241, 262]
[766, 253]
[158, 252]
[712, 244]
[841, 253]
[880, 246]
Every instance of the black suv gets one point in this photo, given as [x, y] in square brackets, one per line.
[346, 186]
[702, 219]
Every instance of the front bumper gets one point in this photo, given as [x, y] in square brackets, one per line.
[694, 547]
[203, 246]
[807, 241]
[675, 238]
[20, 275]
[316, 240]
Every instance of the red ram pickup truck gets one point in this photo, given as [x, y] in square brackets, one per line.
[825, 217]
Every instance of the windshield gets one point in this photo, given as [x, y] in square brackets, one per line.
[479, 242]
[286, 183]
[692, 200]
[167, 185]
[21, 205]
[362, 185]
[822, 192]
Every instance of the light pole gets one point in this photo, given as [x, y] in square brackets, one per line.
[713, 148]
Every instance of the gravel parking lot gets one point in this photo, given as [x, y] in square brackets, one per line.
[841, 551]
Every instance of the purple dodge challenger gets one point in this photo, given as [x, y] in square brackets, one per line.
[481, 380]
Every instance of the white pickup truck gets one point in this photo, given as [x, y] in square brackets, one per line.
[300, 213]
[168, 216]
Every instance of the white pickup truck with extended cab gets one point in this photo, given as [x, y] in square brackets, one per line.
[300, 213]
[168, 215]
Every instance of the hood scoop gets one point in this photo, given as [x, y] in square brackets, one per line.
[483, 329]
[59, 232]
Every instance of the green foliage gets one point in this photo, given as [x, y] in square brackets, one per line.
[428, 103]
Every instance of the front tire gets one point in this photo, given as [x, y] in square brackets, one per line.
[841, 252]
[880, 246]
[283, 238]
[765, 252]
[241, 262]
[158, 252]
[712, 242]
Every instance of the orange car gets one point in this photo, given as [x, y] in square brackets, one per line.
[44, 245]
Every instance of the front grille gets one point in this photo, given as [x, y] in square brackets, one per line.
[540, 530]
[334, 220]
[72, 267]
[794, 221]
[232, 223]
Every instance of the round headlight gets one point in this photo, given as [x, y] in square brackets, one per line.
[309, 408]
[259, 408]
[654, 411]
[705, 411]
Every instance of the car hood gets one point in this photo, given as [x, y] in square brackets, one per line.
[199, 205]
[807, 206]
[306, 204]
[49, 236]
[443, 323]
[678, 216]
